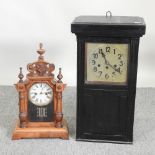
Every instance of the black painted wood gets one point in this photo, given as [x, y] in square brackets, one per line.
[117, 26]
[105, 113]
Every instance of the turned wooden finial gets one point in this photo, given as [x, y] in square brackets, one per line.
[59, 76]
[41, 51]
[20, 76]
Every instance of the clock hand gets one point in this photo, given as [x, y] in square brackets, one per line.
[34, 93]
[46, 93]
[42, 87]
[113, 67]
[104, 58]
[107, 63]
[42, 90]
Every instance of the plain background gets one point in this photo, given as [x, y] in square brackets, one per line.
[25, 23]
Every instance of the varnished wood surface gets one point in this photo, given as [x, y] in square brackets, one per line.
[40, 71]
[40, 130]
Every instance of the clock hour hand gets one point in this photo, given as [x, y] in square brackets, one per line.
[48, 92]
[107, 63]
[114, 68]
[34, 93]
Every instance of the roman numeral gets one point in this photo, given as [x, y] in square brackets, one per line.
[48, 97]
[49, 89]
[33, 97]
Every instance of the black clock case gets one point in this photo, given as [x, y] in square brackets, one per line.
[105, 113]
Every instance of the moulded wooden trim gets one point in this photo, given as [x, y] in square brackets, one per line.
[40, 130]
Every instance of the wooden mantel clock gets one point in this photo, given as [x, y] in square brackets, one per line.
[107, 57]
[40, 102]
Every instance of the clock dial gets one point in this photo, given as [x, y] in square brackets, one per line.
[106, 63]
[40, 94]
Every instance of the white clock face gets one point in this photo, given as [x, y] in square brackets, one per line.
[40, 94]
[106, 63]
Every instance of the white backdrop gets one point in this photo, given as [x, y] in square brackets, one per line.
[25, 23]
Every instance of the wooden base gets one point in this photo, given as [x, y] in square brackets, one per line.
[40, 130]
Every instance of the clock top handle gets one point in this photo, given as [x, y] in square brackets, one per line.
[108, 14]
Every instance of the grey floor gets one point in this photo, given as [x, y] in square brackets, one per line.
[144, 129]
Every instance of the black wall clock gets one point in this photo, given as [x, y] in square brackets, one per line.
[107, 58]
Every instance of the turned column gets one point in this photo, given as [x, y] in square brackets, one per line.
[59, 89]
[20, 86]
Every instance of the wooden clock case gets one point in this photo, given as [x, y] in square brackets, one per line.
[40, 71]
[105, 112]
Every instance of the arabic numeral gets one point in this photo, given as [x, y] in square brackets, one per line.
[108, 49]
[118, 70]
[100, 73]
[95, 69]
[114, 51]
[113, 73]
[119, 56]
[100, 50]
[95, 55]
[93, 62]
[106, 76]
[121, 63]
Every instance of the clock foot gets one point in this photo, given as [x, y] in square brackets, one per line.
[43, 130]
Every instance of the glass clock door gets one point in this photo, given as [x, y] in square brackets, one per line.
[40, 102]
[106, 63]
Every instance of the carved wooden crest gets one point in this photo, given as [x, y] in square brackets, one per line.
[40, 67]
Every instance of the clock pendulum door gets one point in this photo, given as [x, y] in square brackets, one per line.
[40, 102]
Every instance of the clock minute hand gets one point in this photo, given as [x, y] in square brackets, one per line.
[104, 58]
[42, 88]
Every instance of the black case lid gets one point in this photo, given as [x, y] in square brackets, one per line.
[120, 26]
